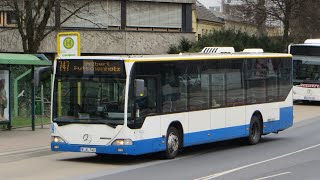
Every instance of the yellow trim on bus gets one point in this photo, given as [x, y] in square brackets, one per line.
[218, 57]
[79, 93]
[59, 99]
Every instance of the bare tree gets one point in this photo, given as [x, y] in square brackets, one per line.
[255, 12]
[33, 16]
[261, 17]
[276, 10]
[306, 21]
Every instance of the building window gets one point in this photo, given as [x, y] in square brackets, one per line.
[10, 19]
[104, 14]
[156, 15]
[1, 18]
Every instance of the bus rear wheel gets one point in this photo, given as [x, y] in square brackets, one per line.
[255, 131]
[172, 143]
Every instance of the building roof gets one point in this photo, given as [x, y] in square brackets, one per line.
[206, 15]
[23, 59]
[227, 17]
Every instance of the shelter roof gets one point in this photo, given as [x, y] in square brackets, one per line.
[23, 59]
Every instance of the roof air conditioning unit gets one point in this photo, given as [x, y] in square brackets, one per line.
[209, 50]
[312, 41]
[253, 50]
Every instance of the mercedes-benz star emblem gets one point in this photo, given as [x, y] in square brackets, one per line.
[87, 138]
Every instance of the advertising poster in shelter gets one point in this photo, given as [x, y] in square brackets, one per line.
[4, 95]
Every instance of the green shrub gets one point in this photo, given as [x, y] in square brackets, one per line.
[173, 49]
[237, 39]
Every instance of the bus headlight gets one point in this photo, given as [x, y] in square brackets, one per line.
[122, 142]
[57, 139]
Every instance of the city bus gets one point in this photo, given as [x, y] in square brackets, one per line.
[133, 105]
[306, 70]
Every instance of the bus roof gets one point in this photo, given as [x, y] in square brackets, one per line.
[306, 44]
[312, 41]
[182, 56]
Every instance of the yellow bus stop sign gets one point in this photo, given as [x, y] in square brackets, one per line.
[68, 44]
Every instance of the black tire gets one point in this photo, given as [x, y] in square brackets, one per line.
[255, 131]
[172, 143]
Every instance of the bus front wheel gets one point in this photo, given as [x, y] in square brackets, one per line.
[255, 131]
[172, 144]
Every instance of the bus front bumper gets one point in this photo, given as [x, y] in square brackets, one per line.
[139, 147]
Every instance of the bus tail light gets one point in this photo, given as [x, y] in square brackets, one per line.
[122, 142]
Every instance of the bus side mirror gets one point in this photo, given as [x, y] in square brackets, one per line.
[139, 87]
[42, 74]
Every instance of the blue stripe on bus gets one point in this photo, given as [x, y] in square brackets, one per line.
[286, 121]
[158, 144]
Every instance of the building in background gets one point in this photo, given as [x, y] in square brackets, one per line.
[233, 2]
[215, 8]
[113, 27]
[237, 18]
[204, 21]
[207, 20]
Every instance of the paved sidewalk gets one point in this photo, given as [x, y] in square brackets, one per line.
[24, 139]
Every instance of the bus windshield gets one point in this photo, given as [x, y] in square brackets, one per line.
[304, 50]
[92, 100]
[306, 71]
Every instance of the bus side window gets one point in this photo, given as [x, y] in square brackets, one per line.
[256, 80]
[285, 80]
[198, 85]
[173, 87]
[235, 86]
[147, 103]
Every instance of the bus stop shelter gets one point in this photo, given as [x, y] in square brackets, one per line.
[7, 62]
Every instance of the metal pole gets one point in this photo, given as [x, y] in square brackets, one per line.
[42, 106]
[10, 89]
[33, 100]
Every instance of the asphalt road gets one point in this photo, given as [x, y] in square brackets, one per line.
[291, 154]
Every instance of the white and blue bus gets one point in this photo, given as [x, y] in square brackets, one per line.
[143, 104]
[306, 70]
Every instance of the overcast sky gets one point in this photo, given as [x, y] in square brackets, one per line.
[208, 3]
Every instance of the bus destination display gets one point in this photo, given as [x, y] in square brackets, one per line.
[90, 67]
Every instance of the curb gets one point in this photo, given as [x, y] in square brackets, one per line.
[6, 157]
[25, 151]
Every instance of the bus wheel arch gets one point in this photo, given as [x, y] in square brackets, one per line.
[174, 131]
[259, 115]
[255, 128]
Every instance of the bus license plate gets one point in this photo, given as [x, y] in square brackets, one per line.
[309, 98]
[86, 149]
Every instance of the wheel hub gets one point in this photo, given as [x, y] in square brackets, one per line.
[173, 142]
